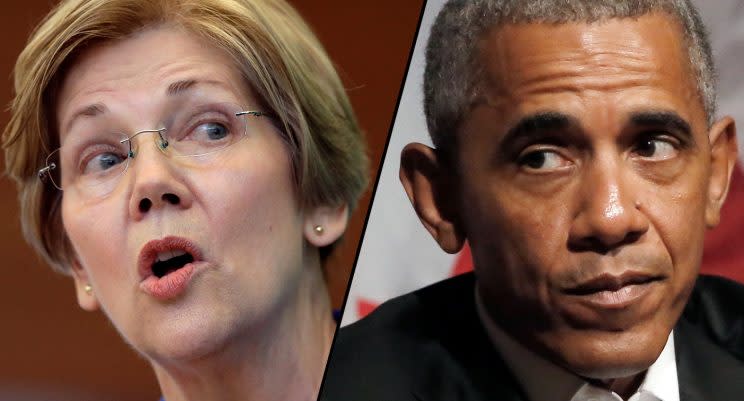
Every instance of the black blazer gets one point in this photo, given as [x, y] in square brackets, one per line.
[429, 345]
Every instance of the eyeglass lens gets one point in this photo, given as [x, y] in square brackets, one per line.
[93, 163]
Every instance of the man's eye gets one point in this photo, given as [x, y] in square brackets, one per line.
[655, 149]
[543, 160]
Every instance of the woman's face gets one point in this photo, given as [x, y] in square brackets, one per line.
[235, 212]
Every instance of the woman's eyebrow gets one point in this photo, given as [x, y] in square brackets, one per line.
[180, 86]
[92, 110]
[174, 89]
[185, 85]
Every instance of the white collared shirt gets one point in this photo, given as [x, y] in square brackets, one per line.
[542, 380]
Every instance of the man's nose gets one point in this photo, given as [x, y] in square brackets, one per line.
[156, 181]
[609, 213]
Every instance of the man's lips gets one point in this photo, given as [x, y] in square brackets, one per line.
[613, 300]
[610, 282]
[149, 253]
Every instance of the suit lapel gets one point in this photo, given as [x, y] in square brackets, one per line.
[464, 365]
[705, 371]
[473, 377]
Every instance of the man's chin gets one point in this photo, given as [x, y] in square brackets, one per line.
[608, 355]
[616, 371]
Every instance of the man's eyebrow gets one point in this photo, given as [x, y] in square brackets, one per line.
[667, 119]
[537, 124]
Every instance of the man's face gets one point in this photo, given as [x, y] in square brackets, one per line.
[585, 180]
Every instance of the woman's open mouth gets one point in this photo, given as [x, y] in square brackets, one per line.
[170, 261]
[166, 266]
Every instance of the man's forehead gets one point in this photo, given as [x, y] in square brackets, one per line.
[636, 61]
[652, 37]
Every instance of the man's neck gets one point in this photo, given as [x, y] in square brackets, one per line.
[624, 387]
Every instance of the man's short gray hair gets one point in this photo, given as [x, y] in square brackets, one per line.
[451, 76]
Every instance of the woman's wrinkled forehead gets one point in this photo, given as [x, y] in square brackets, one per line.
[140, 76]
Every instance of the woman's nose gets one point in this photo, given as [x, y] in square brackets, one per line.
[156, 183]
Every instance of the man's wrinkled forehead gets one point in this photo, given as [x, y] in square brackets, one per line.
[525, 56]
[520, 65]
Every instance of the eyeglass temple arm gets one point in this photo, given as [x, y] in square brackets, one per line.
[45, 171]
[251, 113]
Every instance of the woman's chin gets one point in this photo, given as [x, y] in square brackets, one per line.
[184, 341]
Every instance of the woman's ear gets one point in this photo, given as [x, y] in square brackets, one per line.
[430, 189]
[85, 294]
[325, 224]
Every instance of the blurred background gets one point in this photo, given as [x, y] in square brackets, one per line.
[52, 350]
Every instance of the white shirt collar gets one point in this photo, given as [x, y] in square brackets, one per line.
[542, 380]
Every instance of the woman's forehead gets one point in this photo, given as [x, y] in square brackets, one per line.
[133, 110]
[145, 71]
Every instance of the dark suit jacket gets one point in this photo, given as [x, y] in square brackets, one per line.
[430, 346]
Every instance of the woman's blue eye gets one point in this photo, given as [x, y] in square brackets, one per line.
[215, 131]
[102, 162]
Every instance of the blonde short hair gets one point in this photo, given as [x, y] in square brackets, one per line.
[277, 53]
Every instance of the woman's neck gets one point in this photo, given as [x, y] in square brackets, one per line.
[281, 358]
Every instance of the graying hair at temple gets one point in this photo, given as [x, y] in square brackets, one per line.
[451, 76]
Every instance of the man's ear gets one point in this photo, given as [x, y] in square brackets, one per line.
[325, 224]
[431, 190]
[723, 155]
[85, 294]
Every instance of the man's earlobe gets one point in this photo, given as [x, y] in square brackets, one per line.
[723, 157]
[84, 288]
[430, 189]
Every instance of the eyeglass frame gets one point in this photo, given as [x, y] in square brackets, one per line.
[45, 172]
